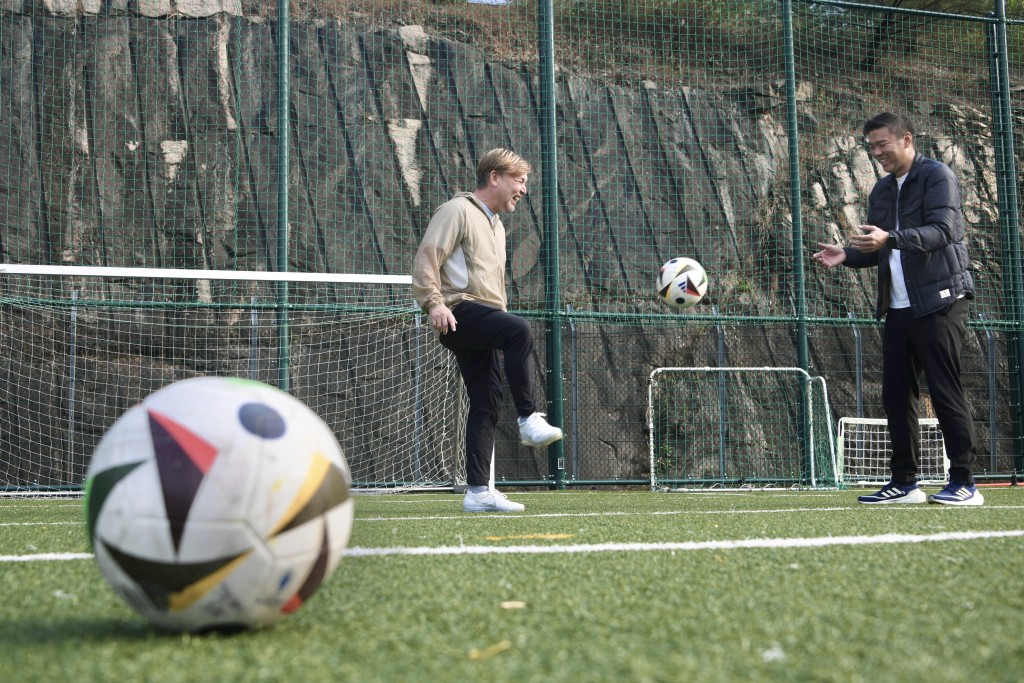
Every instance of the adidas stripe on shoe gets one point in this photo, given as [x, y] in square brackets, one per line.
[958, 493]
[894, 493]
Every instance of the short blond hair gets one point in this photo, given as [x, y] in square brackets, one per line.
[504, 162]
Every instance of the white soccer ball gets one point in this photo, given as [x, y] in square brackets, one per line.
[218, 503]
[682, 283]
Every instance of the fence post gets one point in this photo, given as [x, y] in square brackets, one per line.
[283, 133]
[575, 384]
[254, 341]
[722, 407]
[795, 208]
[1006, 174]
[858, 351]
[992, 441]
[72, 373]
[549, 196]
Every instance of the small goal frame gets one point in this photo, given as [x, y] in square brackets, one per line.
[933, 468]
[817, 426]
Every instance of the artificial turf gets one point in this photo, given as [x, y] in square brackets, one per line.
[942, 602]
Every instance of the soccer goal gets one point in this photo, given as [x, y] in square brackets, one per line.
[739, 426]
[863, 451]
[79, 345]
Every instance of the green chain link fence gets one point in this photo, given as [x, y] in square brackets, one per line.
[138, 136]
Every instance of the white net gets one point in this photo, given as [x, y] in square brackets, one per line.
[864, 451]
[739, 426]
[79, 346]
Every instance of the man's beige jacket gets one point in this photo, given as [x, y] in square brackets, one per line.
[461, 257]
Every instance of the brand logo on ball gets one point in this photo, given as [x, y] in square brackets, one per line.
[682, 283]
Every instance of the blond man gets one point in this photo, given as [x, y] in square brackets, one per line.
[458, 279]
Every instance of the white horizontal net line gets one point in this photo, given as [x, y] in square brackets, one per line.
[193, 274]
[882, 421]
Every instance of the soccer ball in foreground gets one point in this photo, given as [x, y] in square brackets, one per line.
[218, 503]
[682, 283]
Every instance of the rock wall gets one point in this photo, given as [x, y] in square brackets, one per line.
[153, 142]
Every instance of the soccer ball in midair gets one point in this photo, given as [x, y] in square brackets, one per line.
[218, 503]
[682, 283]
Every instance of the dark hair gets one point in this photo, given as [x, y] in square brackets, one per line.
[897, 123]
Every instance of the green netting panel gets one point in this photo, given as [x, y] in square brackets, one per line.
[1015, 57]
[137, 140]
[76, 356]
[1013, 177]
[850, 359]
[606, 370]
[134, 140]
[853, 63]
[392, 106]
[665, 153]
[127, 143]
[740, 426]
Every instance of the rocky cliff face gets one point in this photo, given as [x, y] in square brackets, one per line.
[137, 141]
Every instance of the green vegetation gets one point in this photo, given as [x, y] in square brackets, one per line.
[829, 613]
[729, 43]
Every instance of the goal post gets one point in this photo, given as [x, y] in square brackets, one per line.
[79, 345]
[740, 426]
[863, 451]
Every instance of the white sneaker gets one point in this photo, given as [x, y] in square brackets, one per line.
[489, 501]
[535, 431]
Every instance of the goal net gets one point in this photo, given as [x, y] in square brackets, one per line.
[739, 427]
[863, 451]
[79, 345]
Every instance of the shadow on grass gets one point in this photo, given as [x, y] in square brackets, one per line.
[32, 631]
[84, 630]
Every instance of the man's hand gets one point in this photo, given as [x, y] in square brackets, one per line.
[830, 256]
[870, 240]
[442, 319]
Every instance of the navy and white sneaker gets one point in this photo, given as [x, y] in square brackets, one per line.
[958, 493]
[894, 493]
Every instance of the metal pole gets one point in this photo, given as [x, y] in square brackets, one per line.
[858, 352]
[993, 461]
[283, 128]
[418, 393]
[795, 206]
[1006, 174]
[72, 365]
[552, 290]
[254, 342]
[722, 407]
[575, 394]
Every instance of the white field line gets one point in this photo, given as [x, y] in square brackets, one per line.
[687, 546]
[652, 513]
[45, 557]
[465, 517]
[38, 507]
[471, 517]
[683, 546]
[447, 498]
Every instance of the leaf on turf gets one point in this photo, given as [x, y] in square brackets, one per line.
[490, 650]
